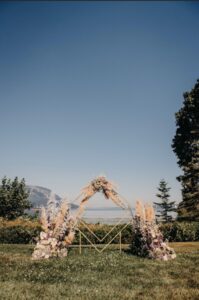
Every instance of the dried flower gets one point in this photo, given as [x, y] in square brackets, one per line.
[147, 238]
[100, 184]
[61, 216]
[43, 219]
[58, 227]
[139, 211]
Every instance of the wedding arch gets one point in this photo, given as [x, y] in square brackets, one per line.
[59, 227]
[108, 189]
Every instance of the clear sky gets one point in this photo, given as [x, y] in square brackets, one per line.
[89, 88]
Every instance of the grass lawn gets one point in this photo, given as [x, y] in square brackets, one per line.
[109, 275]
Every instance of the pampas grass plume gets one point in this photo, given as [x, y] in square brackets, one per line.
[149, 213]
[43, 219]
[59, 219]
[139, 211]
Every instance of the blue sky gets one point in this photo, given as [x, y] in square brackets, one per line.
[89, 88]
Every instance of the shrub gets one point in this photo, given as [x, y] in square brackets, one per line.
[25, 231]
[100, 230]
[19, 231]
[180, 231]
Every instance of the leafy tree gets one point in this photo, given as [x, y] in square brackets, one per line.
[13, 198]
[165, 206]
[186, 147]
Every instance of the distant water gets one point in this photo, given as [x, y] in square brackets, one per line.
[106, 215]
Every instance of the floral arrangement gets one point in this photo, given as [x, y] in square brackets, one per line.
[147, 240]
[100, 184]
[58, 231]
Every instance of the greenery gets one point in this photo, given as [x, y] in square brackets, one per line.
[100, 230]
[26, 231]
[180, 231]
[165, 206]
[109, 275]
[13, 198]
[186, 147]
[19, 231]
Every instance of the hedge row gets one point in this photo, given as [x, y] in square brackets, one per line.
[23, 231]
[19, 231]
[96, 234]
[173, 232]
[181, 231]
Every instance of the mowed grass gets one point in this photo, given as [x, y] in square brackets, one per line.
[109, 275]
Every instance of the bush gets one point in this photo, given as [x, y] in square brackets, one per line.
[100, 230]
[180, 231]
[19, 231]
[25, 231]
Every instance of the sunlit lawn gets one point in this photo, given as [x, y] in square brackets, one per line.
[109, 275]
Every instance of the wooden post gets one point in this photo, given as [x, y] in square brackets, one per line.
[80, 242]
[120, 242]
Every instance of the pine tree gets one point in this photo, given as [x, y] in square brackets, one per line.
[165, 206]
[13, 198]
[186, 147]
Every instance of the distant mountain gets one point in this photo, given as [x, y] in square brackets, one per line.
[39, 196]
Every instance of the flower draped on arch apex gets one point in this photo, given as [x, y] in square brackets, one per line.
[101, 184]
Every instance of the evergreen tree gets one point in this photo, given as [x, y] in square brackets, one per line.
[186, 147]
[13, 198]
[165, 206]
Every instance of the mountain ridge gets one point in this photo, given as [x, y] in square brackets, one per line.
[39, 196]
